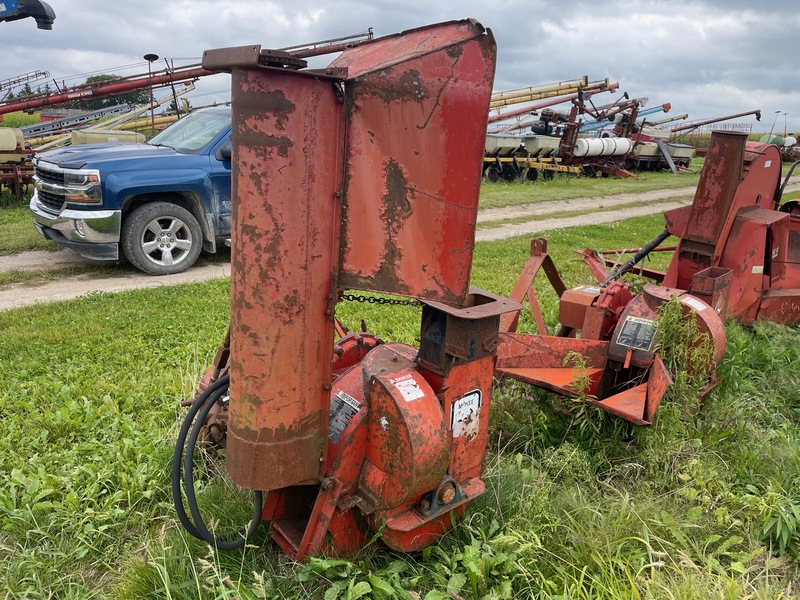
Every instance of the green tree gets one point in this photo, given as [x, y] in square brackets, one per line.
[184, 105]
[135, 98]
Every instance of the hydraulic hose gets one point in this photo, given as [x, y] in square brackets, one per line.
[634, 260]
[195, 525]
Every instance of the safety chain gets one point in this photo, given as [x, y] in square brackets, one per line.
[374, 300]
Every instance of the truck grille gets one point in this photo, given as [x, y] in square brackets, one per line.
[49, 201]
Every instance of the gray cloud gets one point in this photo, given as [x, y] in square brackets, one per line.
[707, 58]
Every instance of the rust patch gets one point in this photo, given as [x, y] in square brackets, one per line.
[408, 87]
[281, 144]
[266, 103]
[455, 51]
[310, 424]
[396, 209]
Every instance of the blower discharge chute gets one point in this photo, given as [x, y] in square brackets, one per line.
[335, 187]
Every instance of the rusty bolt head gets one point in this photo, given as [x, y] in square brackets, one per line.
[446, 493]
[326, 484]
[425, 505]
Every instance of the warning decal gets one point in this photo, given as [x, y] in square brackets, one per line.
[637, 333]
[408, 387]
[464, 414]
[343, 408]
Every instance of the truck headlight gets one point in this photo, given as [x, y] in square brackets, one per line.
[82, 186]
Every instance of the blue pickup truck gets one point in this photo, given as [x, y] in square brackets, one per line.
[157, 204]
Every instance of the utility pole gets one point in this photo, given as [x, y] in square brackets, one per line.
[150, 58]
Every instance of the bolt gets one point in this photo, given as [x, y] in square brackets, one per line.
[326, 484]
[425, 505]
[446, 493]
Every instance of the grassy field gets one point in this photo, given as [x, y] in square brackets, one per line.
[578, 505]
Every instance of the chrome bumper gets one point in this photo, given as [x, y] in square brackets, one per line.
[94, 234]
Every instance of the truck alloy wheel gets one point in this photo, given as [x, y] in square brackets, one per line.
[160, 238]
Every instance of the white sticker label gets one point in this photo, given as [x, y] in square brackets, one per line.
[408, 387]
[767, 164]
[464, 414]
[775, 252]
[694, 303]
[758, 270]
[590, 290]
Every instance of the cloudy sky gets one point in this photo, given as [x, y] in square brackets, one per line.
[707, 58]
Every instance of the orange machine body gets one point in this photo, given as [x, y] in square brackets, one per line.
[363, 175]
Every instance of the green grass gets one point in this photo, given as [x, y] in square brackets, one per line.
[701, 506]
[20, 119]
[17, 233]
[561, 187]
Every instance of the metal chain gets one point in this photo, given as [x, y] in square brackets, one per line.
[374, 300]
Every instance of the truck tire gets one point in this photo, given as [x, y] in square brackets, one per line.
[161, 238]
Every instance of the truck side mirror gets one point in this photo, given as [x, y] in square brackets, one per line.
[224, 152]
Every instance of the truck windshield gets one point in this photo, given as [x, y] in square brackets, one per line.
[191, 133]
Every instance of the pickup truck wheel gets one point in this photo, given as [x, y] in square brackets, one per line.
[160, 238]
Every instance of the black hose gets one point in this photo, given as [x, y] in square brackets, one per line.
[633, 260]
[177, 455]
[197, 416]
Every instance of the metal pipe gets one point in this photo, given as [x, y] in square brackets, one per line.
[329, 46]
[757, 113]
[501, 99]
[169, 76]
[669, 120]
[84, 92]
[549, 87]
[592, 89]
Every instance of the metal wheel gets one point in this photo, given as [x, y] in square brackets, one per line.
[493, 174]
[509, 173]
[161, 238]
[532, 174]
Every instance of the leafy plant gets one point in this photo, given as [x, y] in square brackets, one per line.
[779, 514]
[686, 351]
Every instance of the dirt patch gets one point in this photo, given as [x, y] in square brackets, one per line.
[512, 230]
[20, 295]
[579, 204]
